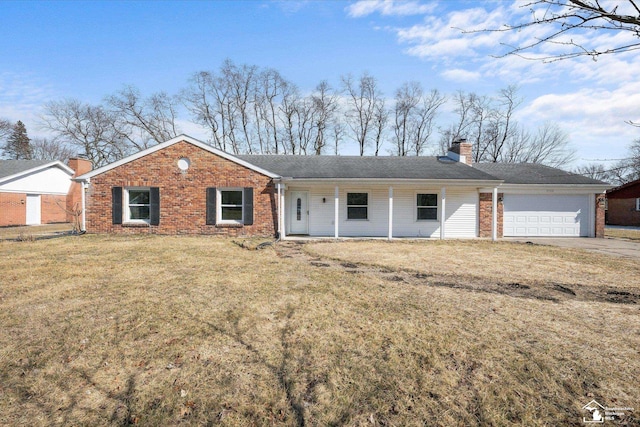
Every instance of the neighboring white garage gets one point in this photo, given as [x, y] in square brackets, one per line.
[537, 215]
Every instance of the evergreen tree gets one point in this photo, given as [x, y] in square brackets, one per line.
[18, 145]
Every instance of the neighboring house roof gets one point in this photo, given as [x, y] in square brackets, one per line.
[12, 169]
[532, 173]
[177, 139]
[630, 190]
[367, 167]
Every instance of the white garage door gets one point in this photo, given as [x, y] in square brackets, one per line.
[545, 215]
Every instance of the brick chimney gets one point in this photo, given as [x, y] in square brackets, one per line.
[461, 151]
[74, 198]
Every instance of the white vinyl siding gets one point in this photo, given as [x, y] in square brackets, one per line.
[461, 215]
[529, 215]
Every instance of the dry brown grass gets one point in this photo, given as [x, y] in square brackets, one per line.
[149, 330]
[31, 232]
[622, 233]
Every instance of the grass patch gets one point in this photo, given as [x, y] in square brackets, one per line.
[31, 232]
[622, 233]
[153, 330]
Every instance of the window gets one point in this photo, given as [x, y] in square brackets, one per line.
[231, 206]
[638, 204]
[357, 205]
[138, 205]
[427, 207]
[135, 205]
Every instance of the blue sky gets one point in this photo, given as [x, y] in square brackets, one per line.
[87, 50]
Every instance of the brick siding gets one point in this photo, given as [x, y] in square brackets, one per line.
[623, 212]
[52, 209]
[13, 209]
[486, 214]
[182, 194]
[74, 198]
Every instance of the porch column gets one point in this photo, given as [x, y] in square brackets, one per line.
[336, 211]
[443, 210]
[282, 209]
[494, 214]
[390, 213]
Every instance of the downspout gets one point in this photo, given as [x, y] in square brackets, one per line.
[85, 186]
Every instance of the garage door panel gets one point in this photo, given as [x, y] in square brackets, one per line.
[546, 215]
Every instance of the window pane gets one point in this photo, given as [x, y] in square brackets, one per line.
[138, 197]
[356, 213]
[234, 214]
[299, 209]
[427, 213]
[231, 197]
[138, 212]
[427, 200]
[357, 198]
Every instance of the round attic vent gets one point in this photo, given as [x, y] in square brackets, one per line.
[183, 164]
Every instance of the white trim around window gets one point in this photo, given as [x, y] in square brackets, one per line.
[136, 205]
[426, 206]
[358, 205]
[230, 206]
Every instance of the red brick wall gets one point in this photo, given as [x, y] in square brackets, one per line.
[52, 209]
[623, 212]
[13, 209]
[182, 194]
[486, 214]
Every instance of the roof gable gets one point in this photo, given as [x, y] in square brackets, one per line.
[177, 139]
[13, 169]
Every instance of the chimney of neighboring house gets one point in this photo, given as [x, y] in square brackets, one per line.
[74, 198]
[461, 151]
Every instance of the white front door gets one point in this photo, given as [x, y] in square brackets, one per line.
[33, 209]
[299, 213]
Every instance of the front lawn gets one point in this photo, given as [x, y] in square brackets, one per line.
[152, 330]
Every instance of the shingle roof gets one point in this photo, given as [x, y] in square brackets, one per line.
[366, 167]
[531, 173]
[12, 167]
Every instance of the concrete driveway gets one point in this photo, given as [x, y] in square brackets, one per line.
[607, 246]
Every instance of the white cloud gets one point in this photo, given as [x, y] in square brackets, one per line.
[458, 75]
[21, 98]
[388, 8]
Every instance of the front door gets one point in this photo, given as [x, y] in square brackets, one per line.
[33, 209]
[299, 213]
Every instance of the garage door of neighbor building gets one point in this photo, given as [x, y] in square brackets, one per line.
[546, 215]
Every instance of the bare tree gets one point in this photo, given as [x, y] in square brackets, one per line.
[549, 146]
[143, 122]
[568, 24]
[423, 121]
[47, 149]
[5, 129]
[407, 99]
[325, 105]
[92, 130]
[594, 171]
[363, 102]
[380, 119]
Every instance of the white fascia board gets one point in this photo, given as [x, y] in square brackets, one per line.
[37, 169]
[177, 139]
[552, 188]
[395, 181]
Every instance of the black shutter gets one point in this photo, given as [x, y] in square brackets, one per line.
[154, 206]
[116, 205]
[211, 206]
[248, 206]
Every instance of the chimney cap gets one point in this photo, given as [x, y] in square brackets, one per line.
[460, 141]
